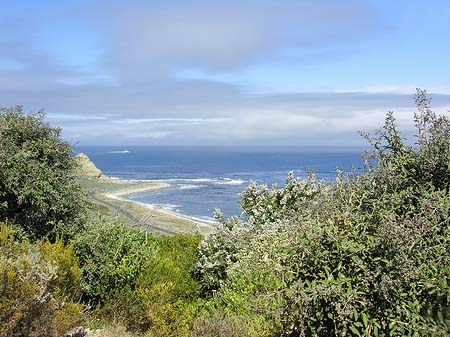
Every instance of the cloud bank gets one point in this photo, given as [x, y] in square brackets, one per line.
[190, 72]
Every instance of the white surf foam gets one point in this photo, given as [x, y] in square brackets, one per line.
[189, 186]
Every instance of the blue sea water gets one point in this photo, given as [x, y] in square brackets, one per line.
[205, 178]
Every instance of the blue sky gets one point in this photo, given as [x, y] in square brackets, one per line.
[223, 72]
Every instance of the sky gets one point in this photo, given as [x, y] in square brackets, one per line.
[246, 72]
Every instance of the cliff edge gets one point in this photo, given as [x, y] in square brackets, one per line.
[87, 167]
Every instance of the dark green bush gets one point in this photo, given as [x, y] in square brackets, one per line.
[38, 190]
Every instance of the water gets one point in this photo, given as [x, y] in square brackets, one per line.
[205, 178]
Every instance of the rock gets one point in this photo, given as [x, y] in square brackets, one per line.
[87, 167]
[78, 332]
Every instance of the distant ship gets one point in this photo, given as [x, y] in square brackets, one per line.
[120, 151]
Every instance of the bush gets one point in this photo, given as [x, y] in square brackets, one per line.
[367, 255]
[234, 326]
[112, 257]
[38, 190]
[39, 287]
[167, 287]
[144, 284]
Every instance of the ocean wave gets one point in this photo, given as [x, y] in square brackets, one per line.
[178, 180]
[189, 186]
[219, 181]
[204, 180]
[142, 180]
[134, 180]
[167, 207]
[228, 181]
[204, 218]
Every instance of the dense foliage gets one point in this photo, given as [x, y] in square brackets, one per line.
[365, 256]
[112, 256]
[141, 281]
[39, 287]
[38, 190]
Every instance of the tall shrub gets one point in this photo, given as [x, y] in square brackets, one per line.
[38, 190]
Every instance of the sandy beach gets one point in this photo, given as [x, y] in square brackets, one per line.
[141, 186]
[147, 187]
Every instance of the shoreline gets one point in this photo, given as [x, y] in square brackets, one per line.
[151, 185]
[110, 201]
[155, 185]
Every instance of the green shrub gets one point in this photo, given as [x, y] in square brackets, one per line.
[39, 287]
[167, 287]
[174, 261]
[38, 190]
[145, 284]
[112, 257]
[223, 326]
[365, 256]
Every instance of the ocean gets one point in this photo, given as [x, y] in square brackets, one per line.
[205, 178]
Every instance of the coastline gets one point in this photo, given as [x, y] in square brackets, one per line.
[108, 200]
[141, 186]
[153, 207]
[120, 195]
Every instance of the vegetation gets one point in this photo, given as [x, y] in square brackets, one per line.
[367, 255]
[39, 194]
[39, 287]
[143, 282]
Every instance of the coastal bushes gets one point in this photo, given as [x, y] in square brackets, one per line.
[39, 287]
[112, 256]
[141, 281]
[39, 195]
[365, 256]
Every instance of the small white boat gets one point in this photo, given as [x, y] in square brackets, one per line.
[120, 151]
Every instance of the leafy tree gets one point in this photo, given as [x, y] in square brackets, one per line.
[38, 191]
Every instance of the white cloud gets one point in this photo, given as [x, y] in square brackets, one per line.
[174, 121]
[136, 86]
[396, 89]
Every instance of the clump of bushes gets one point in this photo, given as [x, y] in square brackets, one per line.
[112, 257]
[39, 287]
[365, 256]
[140, 281]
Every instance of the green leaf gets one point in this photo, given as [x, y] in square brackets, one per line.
[365, 319]
[355, 330]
